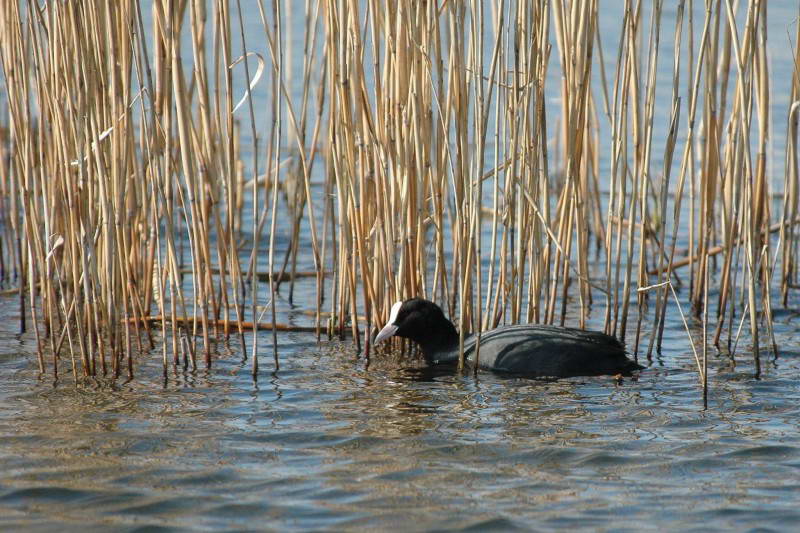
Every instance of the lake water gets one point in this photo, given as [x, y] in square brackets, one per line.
[331, 443]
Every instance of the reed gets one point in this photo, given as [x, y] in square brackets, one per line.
[129, 195]
[122, 159]
[412, 133]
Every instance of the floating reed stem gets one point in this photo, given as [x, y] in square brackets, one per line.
[248, 326]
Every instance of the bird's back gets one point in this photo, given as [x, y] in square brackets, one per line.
[539, 350]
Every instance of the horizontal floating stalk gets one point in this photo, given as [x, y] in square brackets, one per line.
[249, 326]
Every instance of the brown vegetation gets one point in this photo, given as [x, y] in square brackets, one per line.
[125, 193]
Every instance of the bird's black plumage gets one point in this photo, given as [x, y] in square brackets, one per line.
[529, 349]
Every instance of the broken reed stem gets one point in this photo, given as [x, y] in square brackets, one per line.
[121, 163]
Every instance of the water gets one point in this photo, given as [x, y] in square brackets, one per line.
[331, 443]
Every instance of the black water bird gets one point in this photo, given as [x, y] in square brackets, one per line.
[527, 349]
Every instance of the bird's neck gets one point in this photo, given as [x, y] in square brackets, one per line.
[438, 347]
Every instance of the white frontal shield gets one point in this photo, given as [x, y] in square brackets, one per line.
[390, 328]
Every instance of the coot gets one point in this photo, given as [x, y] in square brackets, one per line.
[528, 349]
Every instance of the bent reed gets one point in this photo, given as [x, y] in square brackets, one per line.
[510, 160]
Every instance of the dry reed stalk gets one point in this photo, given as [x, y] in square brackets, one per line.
[395, 179]
[787, 242]
[124, 165]
[661, 296]
[92, 178]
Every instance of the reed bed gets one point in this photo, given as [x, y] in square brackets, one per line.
[510, 160]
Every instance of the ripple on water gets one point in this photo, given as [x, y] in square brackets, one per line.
[328, 444]
[765, 453]
[42, 495]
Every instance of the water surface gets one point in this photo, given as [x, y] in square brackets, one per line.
[331, 443]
